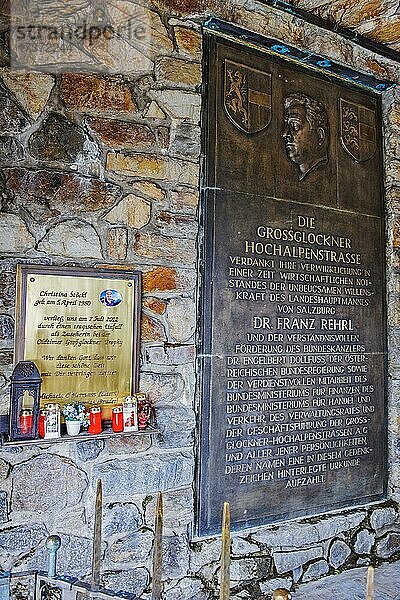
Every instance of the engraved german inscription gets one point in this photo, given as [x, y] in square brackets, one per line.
[340, 423]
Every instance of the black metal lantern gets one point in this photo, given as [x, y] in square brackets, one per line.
[24, 401]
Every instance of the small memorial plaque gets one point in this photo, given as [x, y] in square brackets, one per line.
[293, 352]
[81, 328]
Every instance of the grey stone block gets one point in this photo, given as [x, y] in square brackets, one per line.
[186, 589]
[12, 118]
[288, 561]
[205, 553]
[364, 542]
[181, 316]
[59, 139]
[338, 553]
[3, 507]
[176, 425]
[178, 510]
[89, 450]
[6, 327]
[74, 557]
[298, 535]
[175, 556]
[246, 569]
[268, 587]
[243, 547]
[170, 355]
[350, 585]
[316, 570]
[144, 474]
[81, 239]
[10, 149]
[134, 548]
[167, 388]
[4, 469]
[21, 539]
[297, 573]
[382, 517]
[54, 483]
[134, 581]
[388, 546]
[121, 518]
[186, 140]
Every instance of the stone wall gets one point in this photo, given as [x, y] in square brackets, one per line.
[101, 166]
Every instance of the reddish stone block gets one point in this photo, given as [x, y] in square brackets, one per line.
[128, 445]
[167, 218]
[64, 192]
[155, 305]
[160, 279]
[121, 134]
[149, 189]
[151, 330]
[97, 92]
[163, 137]
[181, 6]
[189, 41]
[396, 235]
[378, 68]
[176, 224]
[177, 71]
[180, 250]
[183, 200]
[385, 33]
[137, 165]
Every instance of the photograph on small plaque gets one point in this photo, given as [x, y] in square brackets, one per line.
[81, 328]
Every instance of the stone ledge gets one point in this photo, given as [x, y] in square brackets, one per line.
[82, 437]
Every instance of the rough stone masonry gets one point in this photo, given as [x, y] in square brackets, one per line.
[100, 163]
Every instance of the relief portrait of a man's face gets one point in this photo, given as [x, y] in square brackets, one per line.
[305, 133]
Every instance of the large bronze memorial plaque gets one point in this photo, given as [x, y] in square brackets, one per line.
[293, 418]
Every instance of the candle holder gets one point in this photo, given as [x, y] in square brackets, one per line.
[52, 423]
[24, 401]
[145, 410]
[130, 414]
[95, 423]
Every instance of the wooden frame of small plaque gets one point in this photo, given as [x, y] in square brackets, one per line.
[81, 327]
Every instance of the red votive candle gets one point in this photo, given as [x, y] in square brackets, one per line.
[117, 419]
[41, 425]
[26, 421]
[95, 420]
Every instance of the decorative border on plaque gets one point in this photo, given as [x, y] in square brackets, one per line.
[81, 327]
[293, 54]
